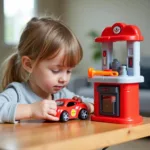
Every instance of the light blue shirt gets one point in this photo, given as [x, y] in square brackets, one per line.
[21, 93]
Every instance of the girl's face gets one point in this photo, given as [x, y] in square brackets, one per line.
[50, 76]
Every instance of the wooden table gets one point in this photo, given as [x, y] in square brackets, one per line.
[74, 134]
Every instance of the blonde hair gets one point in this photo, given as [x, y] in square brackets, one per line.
[41, 38]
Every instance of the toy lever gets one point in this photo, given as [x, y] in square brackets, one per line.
[92, 72]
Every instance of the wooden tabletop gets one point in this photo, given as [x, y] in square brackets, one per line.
[74, 134]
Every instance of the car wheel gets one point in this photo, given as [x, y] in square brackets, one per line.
[83, 114]
[64, 116]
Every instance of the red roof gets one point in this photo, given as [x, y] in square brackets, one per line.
[120, 32]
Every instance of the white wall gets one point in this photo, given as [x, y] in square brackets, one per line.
[84, 15]
[48, 7]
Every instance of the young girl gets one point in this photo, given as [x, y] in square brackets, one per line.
[38, 72]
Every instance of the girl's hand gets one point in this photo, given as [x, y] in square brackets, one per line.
[45, 109]
[90, 107]
[77, 98]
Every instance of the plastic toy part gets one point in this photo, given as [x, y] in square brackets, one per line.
[92, 72]
[116, 86]
[120, 32]
[71, 109]
[117, 103]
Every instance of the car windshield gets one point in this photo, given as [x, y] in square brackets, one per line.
[60, 103]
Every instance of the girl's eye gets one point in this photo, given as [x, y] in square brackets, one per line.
[69, 71]
[59, 70]
[55, 71]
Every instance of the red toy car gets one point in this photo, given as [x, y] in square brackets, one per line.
[71, 109]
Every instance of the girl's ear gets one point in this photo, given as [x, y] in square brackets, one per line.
[27, 64]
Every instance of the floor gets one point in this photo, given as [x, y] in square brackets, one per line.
[142, 144]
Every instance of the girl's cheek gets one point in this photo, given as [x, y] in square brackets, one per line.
[48, 85]
[48, 82]
[69, 77]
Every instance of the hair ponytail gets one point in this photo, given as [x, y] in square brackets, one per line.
[11, 70]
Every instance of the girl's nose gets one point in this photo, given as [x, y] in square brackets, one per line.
[63, 79]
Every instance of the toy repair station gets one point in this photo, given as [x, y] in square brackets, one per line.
[116, 86]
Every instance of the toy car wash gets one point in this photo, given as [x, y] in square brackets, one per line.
[71, 109]
[116, 86]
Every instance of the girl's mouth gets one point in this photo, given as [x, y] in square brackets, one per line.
[58, 87]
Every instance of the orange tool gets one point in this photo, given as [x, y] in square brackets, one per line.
[92, 72]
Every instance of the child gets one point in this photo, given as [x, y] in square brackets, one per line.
[38, 72]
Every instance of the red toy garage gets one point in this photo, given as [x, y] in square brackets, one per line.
[116, 86]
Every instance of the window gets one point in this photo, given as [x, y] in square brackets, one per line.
[16, 15]
[71, 104]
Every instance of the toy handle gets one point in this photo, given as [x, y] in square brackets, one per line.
[92, 72]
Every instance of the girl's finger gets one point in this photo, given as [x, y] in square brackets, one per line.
[52, 105]
[49, 97]
[52, 112]
[77, 98]
[53, 118]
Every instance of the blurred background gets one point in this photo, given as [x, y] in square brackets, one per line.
[87, 18]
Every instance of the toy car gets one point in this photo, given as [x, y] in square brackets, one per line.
[71, 109]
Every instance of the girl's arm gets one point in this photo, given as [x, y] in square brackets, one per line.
[23, 111]
[12, 110]
[8, 104]
[45, 109]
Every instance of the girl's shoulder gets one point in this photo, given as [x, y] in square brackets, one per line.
[12, 91]
[22, 91]
[17, 85]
